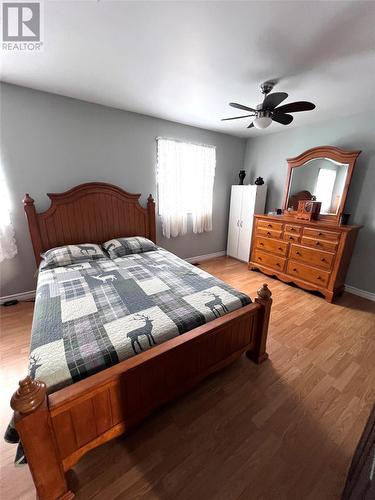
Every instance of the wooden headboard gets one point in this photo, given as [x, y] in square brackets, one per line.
[89, 213]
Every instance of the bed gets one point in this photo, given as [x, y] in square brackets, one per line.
[187, 324]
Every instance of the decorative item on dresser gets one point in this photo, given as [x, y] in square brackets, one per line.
[244, 202]
[313, 254]
[308, 209]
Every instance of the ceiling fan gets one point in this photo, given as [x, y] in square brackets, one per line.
[269, 110]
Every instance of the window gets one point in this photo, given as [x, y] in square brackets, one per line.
[8, 247]
[324, 188]
[185, 174]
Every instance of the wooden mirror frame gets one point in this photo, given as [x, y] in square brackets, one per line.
[332, 153]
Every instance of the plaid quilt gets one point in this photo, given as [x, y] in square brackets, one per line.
[91, 315]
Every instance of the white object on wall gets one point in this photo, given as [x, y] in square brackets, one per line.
[245, 201]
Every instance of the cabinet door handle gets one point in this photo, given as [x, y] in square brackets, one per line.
[238, 223]
[241, 223]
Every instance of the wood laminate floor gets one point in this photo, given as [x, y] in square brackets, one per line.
[286, 429]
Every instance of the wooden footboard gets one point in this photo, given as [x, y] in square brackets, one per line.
[57, 430]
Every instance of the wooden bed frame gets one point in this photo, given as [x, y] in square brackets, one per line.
[56, 430]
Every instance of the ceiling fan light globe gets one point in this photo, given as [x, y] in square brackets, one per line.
[262, 122]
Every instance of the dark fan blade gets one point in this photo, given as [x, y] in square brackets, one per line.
[236, 117]
[251, 125]
[240, 106]
[293, 107]
[273, 100]
[281, 118]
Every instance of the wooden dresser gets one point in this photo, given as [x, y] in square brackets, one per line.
[314, 255]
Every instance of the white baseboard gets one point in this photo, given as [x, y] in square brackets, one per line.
[18, 296]
[360, 293]
[208, 256]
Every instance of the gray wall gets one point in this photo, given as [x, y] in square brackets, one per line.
[50, 143]
[266, 156]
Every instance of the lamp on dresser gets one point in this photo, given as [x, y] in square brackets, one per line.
[313, 254]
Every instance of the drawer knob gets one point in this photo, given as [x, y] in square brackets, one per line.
[298, 253]
[317, 243]
[295, 270]
[259, 258]
[290, 237]
[269, 234]
[269, 225]
[320, 234]
[319, 277]
[261, 244]
[292, 229]
[324, 260]
[280, 249]
[278, 264]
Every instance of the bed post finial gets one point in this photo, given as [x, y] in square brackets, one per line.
[259, 354]
[264, 292]
[28, 200]
[29, 396]
[34, 425]
[151, 218]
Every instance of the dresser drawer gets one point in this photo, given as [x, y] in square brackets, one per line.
[330, 246]
[307, 273]
[269, 260]
[270, 225]
[311, 256]
[292, 237]
[268, 233]
[321, 234]
[275, 246]
[290, 228]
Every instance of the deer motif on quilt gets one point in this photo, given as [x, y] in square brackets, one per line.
[104, 279]
[33, 365]
[216, 304]
[146, 330]
[86, 250]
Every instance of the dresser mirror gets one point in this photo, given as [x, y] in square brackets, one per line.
[322, 174]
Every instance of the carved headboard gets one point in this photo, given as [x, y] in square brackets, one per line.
[89, 213]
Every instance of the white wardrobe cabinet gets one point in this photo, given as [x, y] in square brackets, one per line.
[245, 201]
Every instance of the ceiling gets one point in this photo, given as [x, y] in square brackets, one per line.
[184, 61]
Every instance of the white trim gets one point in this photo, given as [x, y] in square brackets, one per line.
[18, 296]
[208, 256]
[360, 293]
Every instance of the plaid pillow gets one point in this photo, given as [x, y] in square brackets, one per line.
[126, 246]
[71, 254]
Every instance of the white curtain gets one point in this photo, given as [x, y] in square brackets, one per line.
[185, 175]
[8, 248]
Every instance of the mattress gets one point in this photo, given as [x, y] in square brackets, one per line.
[92, 315]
